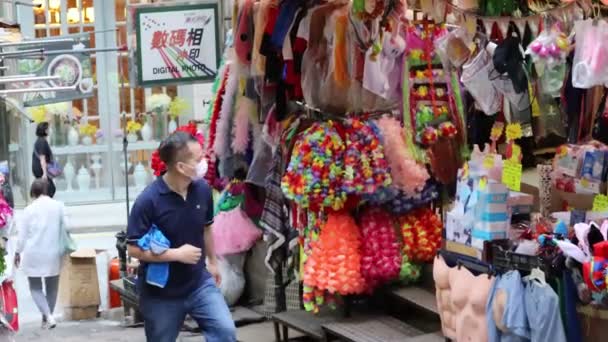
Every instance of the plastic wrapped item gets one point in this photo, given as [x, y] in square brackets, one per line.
[591, 55]
[549, 129]
[476, 79]
[233, 278]
[381, 75]
[550, 48]
[452, 48]
[552, 80]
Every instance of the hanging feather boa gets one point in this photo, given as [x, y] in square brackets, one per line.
[240, 128]
[221, 145]
[215, 90]
[217, 106]
[407, 174]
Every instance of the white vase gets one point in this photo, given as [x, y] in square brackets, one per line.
[132, 137]
[96, 168]
[83, 179]
[172, 126]
[72, 136]
[51, 136]
[69, 173]
[87, 140]
[140, 176]
[146, 132]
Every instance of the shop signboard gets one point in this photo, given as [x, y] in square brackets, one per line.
[175, 43]
[62, 59]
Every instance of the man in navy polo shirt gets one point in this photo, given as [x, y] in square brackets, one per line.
[180, 204]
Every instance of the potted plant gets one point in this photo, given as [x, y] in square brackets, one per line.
[87, 132]
[158, 104]
[133, 127]
[176, 108]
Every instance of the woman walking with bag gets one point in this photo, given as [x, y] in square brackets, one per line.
[43, 165]
[40, 248]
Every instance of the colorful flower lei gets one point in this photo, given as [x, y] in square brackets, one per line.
[314, 174]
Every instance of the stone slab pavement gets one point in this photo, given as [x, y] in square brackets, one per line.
[102, 331]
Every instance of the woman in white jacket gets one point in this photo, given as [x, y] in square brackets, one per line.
[38, 248]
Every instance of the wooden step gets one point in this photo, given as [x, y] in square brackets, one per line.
[419, 297]
[371, 329]
[305, 322]
[434, 337]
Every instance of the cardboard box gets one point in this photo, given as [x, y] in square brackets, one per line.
[79, 285]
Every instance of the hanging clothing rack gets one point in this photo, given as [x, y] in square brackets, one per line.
[367, 115]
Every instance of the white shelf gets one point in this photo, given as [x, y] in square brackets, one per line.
[116, 147]
[78, 149]
[137, 146]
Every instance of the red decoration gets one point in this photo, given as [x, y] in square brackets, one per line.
[380, 252]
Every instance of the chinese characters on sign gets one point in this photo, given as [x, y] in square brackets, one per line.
[177, 44]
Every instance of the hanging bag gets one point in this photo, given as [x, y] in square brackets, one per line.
[67, 243]
[10, 312]
[53, 168]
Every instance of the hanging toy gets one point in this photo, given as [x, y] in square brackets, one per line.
[380, 253]
[429, 136]
[447, 130]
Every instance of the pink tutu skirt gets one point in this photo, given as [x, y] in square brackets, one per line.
[234, 232]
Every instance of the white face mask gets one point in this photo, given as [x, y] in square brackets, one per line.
[201, 169]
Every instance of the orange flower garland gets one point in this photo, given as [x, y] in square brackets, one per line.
[421, 231]
[334, 264]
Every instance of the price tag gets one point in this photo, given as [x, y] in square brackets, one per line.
[562, 151]
[515, 153]
[511, 174]
[488, 161]
[514, 131]
[497, 129]
[534, 107]
[600, 203]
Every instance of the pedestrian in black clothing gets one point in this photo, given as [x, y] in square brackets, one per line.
[42, 157]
